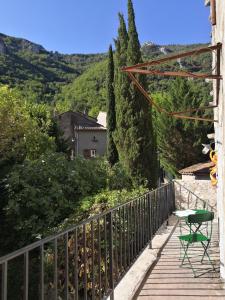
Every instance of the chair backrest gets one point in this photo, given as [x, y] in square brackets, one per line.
[201, 217]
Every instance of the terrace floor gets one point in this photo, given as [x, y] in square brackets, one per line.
[167, 280]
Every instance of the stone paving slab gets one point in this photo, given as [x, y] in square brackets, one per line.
[168, 281]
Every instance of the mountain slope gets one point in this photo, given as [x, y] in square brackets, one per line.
[88, 91]
[78, 79]
[32, 68]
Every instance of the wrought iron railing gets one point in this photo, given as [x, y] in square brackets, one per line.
[88, 260]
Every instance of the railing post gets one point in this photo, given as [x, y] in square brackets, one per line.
[66, 267]
[42, 278]
[180, 198]
[56, 268]
[92, 262]
[99, 260]
[111, 277]
[85, 260]
[4, 280]
[168, 194]
[75, 265]
[173, 197]
[26, 276]
[150, 220]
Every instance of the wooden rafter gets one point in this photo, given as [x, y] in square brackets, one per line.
[177, 73]
[175, 56]
[213, 11]
[138, 69]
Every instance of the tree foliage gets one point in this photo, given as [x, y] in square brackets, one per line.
[88, 92]
[121, 88]
[134, 135]
[112, 154]
[23, 128]
[180, 140]
[41, 193]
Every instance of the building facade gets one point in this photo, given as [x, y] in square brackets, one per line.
[217, 8]
[84, 136]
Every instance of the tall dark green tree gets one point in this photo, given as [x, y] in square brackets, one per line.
[121, 89]
[180, 140]
[112, 154]
[137, 141]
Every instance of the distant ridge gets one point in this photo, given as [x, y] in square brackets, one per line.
[47, 76]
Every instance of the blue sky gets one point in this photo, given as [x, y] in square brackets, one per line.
[89, 26]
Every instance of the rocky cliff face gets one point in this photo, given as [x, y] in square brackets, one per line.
[149, 48]
[12, 44]
[32, 47]
[164, 50]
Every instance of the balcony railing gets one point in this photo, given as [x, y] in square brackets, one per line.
[88, 260]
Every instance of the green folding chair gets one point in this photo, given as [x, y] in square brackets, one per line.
[198, 234]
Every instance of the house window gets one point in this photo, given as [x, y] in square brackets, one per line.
[89, 153]
[93, 152]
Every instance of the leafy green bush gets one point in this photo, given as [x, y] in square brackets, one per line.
[23, 127]
[118, 179]
[43, 192]
[92, 205]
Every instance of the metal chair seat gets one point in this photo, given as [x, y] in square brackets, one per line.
[194, 238]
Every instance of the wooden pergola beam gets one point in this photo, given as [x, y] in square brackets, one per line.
[170, 73]
[162, 110]
[213, 11]
[138, 68]
[175, 56]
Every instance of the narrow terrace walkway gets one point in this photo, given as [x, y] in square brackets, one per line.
[167, 280]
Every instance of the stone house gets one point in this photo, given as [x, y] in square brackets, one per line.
[84, 135]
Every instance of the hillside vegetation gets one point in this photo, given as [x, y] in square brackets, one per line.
[88, 91]
[36, 71]
[77, 81]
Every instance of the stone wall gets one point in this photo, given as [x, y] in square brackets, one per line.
[190, 193]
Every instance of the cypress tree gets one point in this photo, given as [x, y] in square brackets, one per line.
[121, 88]
[133, 51]
[112, 154]
[138, 149]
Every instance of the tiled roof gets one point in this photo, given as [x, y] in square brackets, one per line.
[80, 120]
[196, 168]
